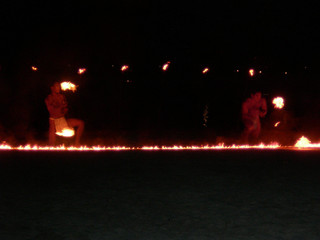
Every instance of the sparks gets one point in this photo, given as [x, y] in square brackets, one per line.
[68, 86]
[205, 70]
[81, 70]
[124, 68]
[278, 102]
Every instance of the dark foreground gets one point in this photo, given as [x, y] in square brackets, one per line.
[160, 195]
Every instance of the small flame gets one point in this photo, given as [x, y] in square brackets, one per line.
[66, 132]
[124, 68]
[278, 102]
[165, 66]
[81, 70]
[68, 86]
[276, 124]
[34, 68]
[205, 70]
[251, 72]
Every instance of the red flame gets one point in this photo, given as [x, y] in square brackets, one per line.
[124, 68]
[165, 66]
[34, 68]
[251, 72]
[205, 70]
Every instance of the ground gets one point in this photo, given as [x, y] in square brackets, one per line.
[248, 194]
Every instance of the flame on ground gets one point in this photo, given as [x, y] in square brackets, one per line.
[68, 86]
[302, 143]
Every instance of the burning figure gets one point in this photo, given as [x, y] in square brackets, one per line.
[58, 124]
[253, 109]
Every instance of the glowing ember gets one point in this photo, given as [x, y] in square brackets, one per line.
[34, 68]
[165, 66]
[205, 70]
[66, 132]
[81, 70]
[251, 72]
[278, 102]
[276, 124]
[68, 86]
[124, 68]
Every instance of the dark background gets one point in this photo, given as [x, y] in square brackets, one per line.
[58, 38]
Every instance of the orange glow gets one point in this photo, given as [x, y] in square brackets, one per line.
[81, 70]
[276, 124]
[34, 68]
[303, 142]
[251, 72]
[68, 86]
[124, 68]
[166, 66]
[205, 70]
[278, 102]
[66, 132]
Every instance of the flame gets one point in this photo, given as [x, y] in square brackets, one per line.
[34, 68]
[68, 86]
[304, 142]
[66, 132]
[205, 70]
[251, 72]
[124, 68]
[278, 102]
[276, 124]
[81, 70]
[165, 66]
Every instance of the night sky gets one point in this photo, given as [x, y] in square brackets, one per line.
[271, 36]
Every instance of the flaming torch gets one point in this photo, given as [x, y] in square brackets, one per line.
[81, 70]
[68, 86]
[124, 68]
[205, 70]
[278, 102]
[165, 66]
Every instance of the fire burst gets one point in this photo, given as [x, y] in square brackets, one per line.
[205, 70]
[81, 70]
[124, 68]
[166, 66]
[278, 102]
[68, 86]
[66, 132]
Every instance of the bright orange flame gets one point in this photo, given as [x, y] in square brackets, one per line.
[124, 68]
[276, 124]
[278, 102]
[81, 70]
[303, 142]
[34, 68]
[68, 86]
[251, 72]
[165, 66]
[66, 132]
[205, 70]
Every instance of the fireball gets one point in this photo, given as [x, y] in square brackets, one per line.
[278, 102]
[68, 86]
[66, 132]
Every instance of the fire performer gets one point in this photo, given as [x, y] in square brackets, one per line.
[58, 107]
[253, 109]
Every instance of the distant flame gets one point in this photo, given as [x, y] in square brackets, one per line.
[165, 66]
[251, 72]
[81, 70]
[124, 68]
[205, 70]
[276, 124]
[278, 102]
[34, 68]
[68, 86]
[66, 132]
